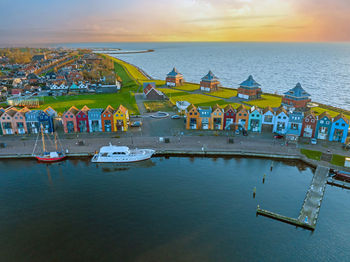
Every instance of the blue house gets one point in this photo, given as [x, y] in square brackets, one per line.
[95, 121]
[205, 115]
[32, 121]
[324, 126]
[339, 130]
[295, 125]
[296, 97]
[46, 121]
[281, 121]
[255, 120]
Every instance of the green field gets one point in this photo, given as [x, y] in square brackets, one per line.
[315, 155]
[266, 100]
[188, 87]
[63, 103]
[319, 110]
[171, 92]
[154, 106]
[224, 93]
[128, 82]
[338, 160]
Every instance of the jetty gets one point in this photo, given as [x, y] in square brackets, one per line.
[311, 206]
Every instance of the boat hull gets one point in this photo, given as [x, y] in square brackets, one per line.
[49, 159]
[97, 158]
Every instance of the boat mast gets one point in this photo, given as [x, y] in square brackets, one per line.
[56, 142]
[42, 137]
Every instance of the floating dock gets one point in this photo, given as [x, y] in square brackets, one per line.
[311, 206]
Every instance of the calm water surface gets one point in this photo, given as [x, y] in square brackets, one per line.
[323, 69]
[177, 209]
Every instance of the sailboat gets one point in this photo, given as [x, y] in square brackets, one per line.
[48, 156]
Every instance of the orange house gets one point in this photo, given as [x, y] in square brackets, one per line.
[193, 120]
[217, 118]
[242, 117]
[107, 119]
[69, 120]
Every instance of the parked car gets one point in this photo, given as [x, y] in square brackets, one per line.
[313, 141]
[237, 132]
[278, 136]
[175, 117]
[136, 124]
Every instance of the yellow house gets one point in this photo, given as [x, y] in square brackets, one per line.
[121, 119]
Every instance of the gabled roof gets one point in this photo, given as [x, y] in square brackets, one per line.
[325, 113]
[267, 109]
[280, 110]
[24, 110]
[341, 116]
[34, 113]
[174, 73]
[241, 107]
[50, 111]
[109, 109]
[308, 113]
[122, 109]
[73, 110]
[85, 109]
[250, 82]
[228, 107]
[12, 112]
[190, 107]
[297, 91]
[209, 77]
[217, 107]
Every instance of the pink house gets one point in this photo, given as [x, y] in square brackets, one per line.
[69, 120]
[13, 122]
[83, 120]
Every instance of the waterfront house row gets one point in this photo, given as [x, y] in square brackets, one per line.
[95, 119]
[292, 124]
[25, 121]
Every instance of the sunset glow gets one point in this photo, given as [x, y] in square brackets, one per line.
[41, 21]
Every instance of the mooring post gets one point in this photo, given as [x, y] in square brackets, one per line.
[264, 178]
[254, 192]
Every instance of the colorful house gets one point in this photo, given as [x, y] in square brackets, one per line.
[151, 93]
[281, 121]
[7, 123]
[69, 120]
[193, 120]
[229, 117]
[339, 130]
[121, 119]
[309, 125]
[83, 120]
[242, 118]
[217, 118]
[296, 97]
[209, 82]
[295, 125]
[32, 119]
[249, 89]
[255, 119]
[174, 78]
[95, 122]
[268, 119]
[205, 115]
[324, 126]
[46, 121]
[1, 112]
[107, 119]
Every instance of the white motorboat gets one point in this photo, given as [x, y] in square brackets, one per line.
[121, 154]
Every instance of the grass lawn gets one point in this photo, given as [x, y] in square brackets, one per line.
[338, 160]
[188, 87]
[319, 110]
[62, 103]
[154, 106]
[266, 100]
[157, 82]
[316, 155]
[4, 105]
[197, 99]
[171, 92]
[224, 93]
[128, 82]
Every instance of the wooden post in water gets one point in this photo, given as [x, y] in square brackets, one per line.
[254, 192]
[264, 178]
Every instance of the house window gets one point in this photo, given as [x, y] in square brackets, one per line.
[306, 120]
[284, 117]
[190, 113]
[279, 117]
[245, 114]
[321, 121]
[253, 115]
[71, 116]
[343, 125]
[116, 115]
[121, 115]
[327, 122]
[337, 124]
[240, 114]
[312, 121]
[195, 114]
[104, 115]
[257, 115]
[66, 116]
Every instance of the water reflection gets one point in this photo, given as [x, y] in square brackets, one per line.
[117, 167]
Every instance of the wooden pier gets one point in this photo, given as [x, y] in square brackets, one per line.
[311, 206]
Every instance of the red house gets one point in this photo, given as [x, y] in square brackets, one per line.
[309, 125]
[229, 117]
[83, 120]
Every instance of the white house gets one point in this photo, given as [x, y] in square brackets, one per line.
[268, 118]
[281, 121]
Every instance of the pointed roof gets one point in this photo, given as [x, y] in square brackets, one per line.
[122, 109]
[73, 110]
[267, 109]
[280, 110]
[217, 107]
[109, 109]
[325, 113]
[12, 111]
[310, 112]
[190, 107]
[50, 111]
[228, 107]
[341, 116]
[85, 109]
[241, 107]
[297, 91]
[209, 77]
[250, 82]
[174, 73]
[24, 110]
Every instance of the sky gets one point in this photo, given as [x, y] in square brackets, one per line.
[52, 21]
